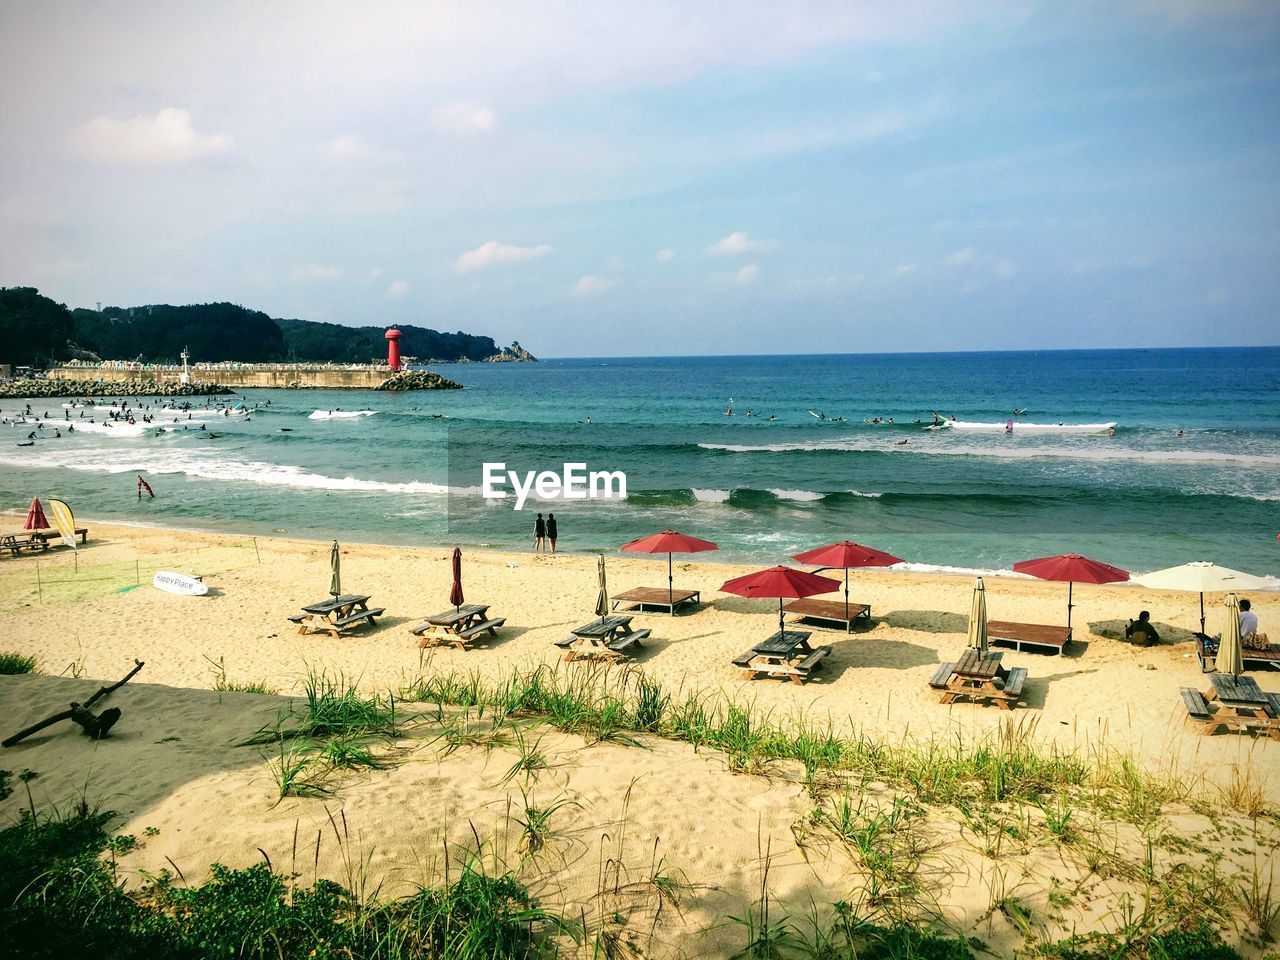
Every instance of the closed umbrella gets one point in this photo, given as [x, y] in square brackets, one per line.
[455, 592]
[1230, 655]
[1074, 569]
[335, 566]
[978, 618]
[669, 542]
[35, 516]
[602, 594]
[846, 555]
[784, 583]
[1201, 576]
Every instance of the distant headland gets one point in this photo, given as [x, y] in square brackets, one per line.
[39, 332]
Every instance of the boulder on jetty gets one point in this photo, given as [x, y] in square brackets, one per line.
[134, 387]
[418, 380]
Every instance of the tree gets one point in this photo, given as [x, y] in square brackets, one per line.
[34, 330]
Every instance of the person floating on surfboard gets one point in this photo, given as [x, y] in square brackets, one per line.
[143, 485]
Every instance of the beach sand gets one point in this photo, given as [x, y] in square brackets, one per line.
[172, 764]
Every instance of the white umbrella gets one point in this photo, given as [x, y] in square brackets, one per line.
[978, 618]
[1201, 577]
[1230, 655]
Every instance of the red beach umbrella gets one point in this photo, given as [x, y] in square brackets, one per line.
[455, 592]
[669, 542]
[785, 583]
[846, 554]
[35, 516]
[1072, 568]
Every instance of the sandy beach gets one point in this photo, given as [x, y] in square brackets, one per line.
[173, 764]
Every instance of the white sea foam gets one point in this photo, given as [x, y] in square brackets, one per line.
[206, 463]
[1099, 454]
[711, 496]
[802, 495]
[869, 496]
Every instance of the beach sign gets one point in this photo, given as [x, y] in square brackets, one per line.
[179, 583]
[64, 520]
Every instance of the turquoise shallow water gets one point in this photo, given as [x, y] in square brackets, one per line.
[1193, 471]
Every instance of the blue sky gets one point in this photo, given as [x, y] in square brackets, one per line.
[597, 179]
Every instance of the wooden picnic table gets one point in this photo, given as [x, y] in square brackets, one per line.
[458, 626]
[605, 637]
[1241, 695]
[1240, 705]
[784, 654]
[661, 597]
[829, 611]
[335, 615]
[980, 676]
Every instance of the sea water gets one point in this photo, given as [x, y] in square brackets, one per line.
[1192, 472]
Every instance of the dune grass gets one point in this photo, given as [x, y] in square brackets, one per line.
[12, 664]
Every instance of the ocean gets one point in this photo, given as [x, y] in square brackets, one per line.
[1191, 472]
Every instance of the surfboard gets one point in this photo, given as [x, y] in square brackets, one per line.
[179, 583]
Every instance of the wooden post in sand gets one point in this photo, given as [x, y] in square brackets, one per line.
[39, 585]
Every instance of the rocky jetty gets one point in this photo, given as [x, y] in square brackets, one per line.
[512, 354]
[134, 387]
[418, 380]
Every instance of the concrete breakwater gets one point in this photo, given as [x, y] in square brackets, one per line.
[232, 377]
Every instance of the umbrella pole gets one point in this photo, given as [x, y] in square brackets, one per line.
[1070, 590]
[1202, 611]
[671, 586]
[848, 628]
[781, 625]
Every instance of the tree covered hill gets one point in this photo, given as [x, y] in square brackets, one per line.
[36, 330]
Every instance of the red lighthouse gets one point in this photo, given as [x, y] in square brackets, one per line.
[393, 348]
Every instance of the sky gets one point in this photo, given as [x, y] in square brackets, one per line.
[597, 179]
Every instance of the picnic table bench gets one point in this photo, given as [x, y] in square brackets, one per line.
[980, 677]
[1237, 703]
[458, 627]
[1029, 637]
[659, 597]
[336, 615]
[15, 543]
[784, 654]
[829, 611]
[607, 638]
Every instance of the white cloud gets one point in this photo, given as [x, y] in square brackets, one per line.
[168, 137]
[738, 242]
[960, 257]
[493, 254]
[464, 118]
[905, 269]
[353, 150]
[1005, 269]
[747, 275]
[315, 273]
[589, 284]
[373, 274]
[398, 289]
[665, 256]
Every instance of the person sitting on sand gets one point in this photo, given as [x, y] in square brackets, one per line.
[1250, 638]
[1141, 632]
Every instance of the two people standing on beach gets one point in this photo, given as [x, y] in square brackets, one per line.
[544, 533]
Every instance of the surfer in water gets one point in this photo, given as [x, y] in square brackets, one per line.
[143, 485]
